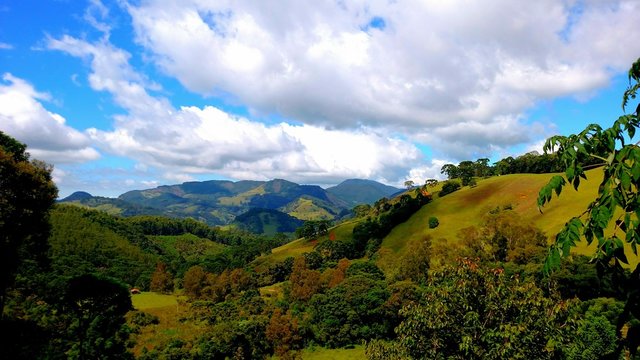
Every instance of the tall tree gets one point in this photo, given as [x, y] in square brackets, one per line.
[450, 170]
[26, 195]
[161, 280]
[98, 306]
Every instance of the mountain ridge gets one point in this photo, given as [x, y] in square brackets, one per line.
[220, 202]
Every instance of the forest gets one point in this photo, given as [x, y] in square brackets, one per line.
[498, 290]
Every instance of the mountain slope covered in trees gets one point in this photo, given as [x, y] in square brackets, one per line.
[359, 191]
[220, 202]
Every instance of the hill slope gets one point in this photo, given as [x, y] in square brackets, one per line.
[219, 202]
[468, 206]
[358, 191]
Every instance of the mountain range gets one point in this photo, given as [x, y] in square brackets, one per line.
[221, 202]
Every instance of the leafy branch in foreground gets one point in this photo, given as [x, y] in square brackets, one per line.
[617, 201]
[617, 198]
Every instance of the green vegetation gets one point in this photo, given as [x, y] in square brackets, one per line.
[411, 277]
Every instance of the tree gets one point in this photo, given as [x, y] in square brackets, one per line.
[98, 306]
[304, 282]
[449, 186]
[416, 259]
[409, 184]
[472, 312]
[466, 171]
[194, 281]
[161, 280]
[450, 170]
[617, 201]
[282, 331]
[482, 167]
[429, 183]
[27, 193]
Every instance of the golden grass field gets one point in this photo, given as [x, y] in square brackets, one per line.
[467, 207]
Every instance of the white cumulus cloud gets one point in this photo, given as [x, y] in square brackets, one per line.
[186, 141]
[46, 134]
[425, 68]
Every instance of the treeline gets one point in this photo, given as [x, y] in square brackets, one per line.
[529, 163]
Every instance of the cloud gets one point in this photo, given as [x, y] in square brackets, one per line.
[23, 116]
[5, 46]
[187, 141]
[433, 66]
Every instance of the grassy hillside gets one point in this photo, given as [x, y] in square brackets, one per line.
[187, 246]
[467, 207]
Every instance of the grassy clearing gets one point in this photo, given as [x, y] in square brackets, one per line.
[357, 352]
[150, 300]
[169, 309]
[305, 209]
[273, 292]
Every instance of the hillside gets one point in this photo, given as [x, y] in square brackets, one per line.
[109, 205]
[468, 207]
[359, 191]
[267, 221]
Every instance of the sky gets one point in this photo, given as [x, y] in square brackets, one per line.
[121, 95]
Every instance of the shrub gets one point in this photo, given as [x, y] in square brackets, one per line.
[448, 187]
[433, 222]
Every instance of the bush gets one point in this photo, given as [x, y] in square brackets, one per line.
[140, 318]
[433, 222]
[448, 187]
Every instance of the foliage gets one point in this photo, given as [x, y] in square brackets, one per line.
[504, 236]
[194, 281]
[618, 193]
[617, 201]
[376, 229]
[304, 282]
[267, 221]
[415, 262]
[99, 306]
[361, 210]
[471, 312]
[283, 332]
[87, 241]
[585, 280]
[433, 222]
[365, 268]
[448, 187]
[350, 312]
[160, 225]
[312, 229]
[26, 195]
[595, 339]
[161, 280]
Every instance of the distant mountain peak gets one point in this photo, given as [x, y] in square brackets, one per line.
[77, 196]
[362, 191]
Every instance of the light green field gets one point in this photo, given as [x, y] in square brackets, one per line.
[241, 199]
[305, 209]
[355, 353]
[149, 300]
[467, 207]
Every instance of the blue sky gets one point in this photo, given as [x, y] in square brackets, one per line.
[122, 95]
